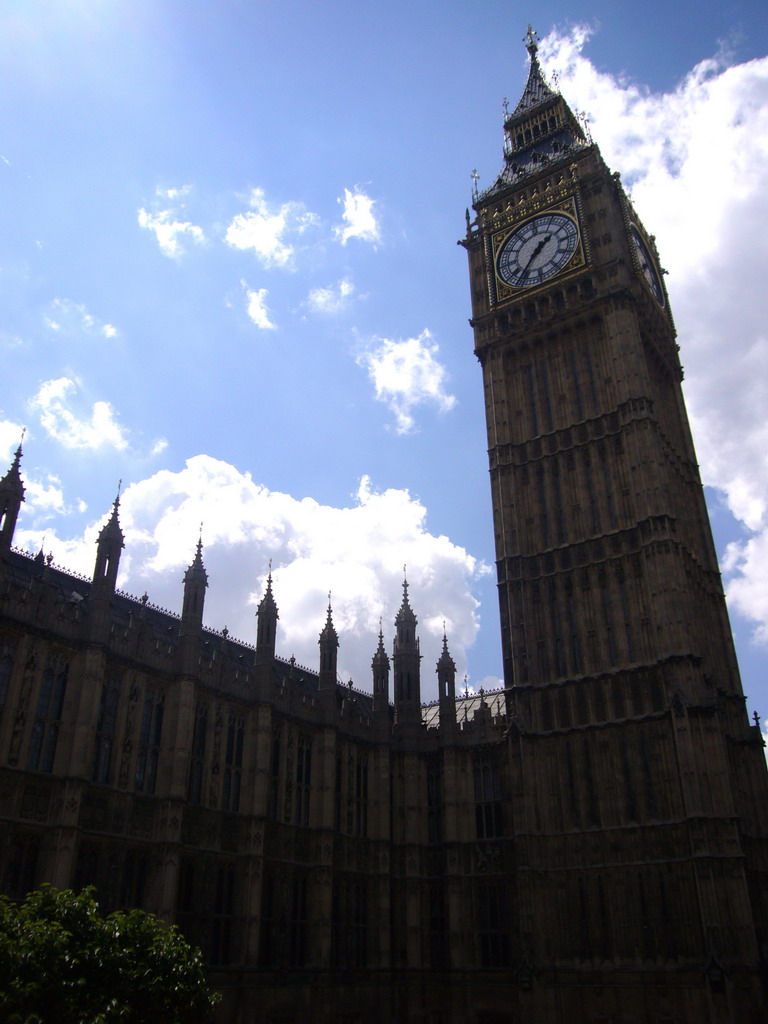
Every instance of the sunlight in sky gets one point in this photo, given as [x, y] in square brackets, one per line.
[229, 277]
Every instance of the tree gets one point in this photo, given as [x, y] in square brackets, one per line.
[62, 962]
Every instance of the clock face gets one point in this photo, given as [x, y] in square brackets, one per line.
[538, 250]
[647, 267]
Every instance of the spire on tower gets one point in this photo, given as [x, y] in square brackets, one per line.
[195, 584]
[329, 634]
[266, 622]
[109, 544]
[329, 643]
[380, 667]
[406, 614]
[267, 603]
[445, 661]
[541, 129]
[380, 658]
[12, 479]
[11, 497]
[536, 88]
[111, 529]
[196, 570]
[406, 662]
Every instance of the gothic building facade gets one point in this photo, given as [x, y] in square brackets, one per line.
[588, 844]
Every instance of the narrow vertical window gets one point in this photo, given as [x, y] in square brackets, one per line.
[630, 795]
[297, 926]
[627, 616]
[105, 730]
[221, 948]
[608, 618]
[361, 795]
[45, 728]
[20, 872]
[197, 764]
[543, 507]
[557, 631]
[593, 506]
[303, 779]
[187, 900]
[150, 734]
[438, 929]
[531, 389]
[562, 529]
[233, 764]
[608, 482]
[545, 391]
[487, 795]
[271, 935]
[6, 666]
[491, 925]
[591, 379]
[572, 806]
[274, 775]
[593, 801]
[359, 923]
[582, 936]
[576, 387]
[434, 801]
[338, 791]
[134, 879]
[574, 626]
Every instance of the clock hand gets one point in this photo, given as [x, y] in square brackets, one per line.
[536, 251]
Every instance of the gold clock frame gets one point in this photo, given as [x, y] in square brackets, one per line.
[504, 292]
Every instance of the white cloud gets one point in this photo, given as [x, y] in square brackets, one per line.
[406, 374]
[356, 552]
[332, 299]
[167, 224]
[44, 497]
[256, 306]
[266, 230]
[359, 218]
[696, 160]
[96, 428]
[174, 193]
[66, 316]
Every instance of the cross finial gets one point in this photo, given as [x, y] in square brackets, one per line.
[756, 719]
[475, 178]
[505, 105]
[531, 40]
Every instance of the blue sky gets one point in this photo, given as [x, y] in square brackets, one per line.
[229, 277]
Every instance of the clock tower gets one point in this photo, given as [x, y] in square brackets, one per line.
[640, 788]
